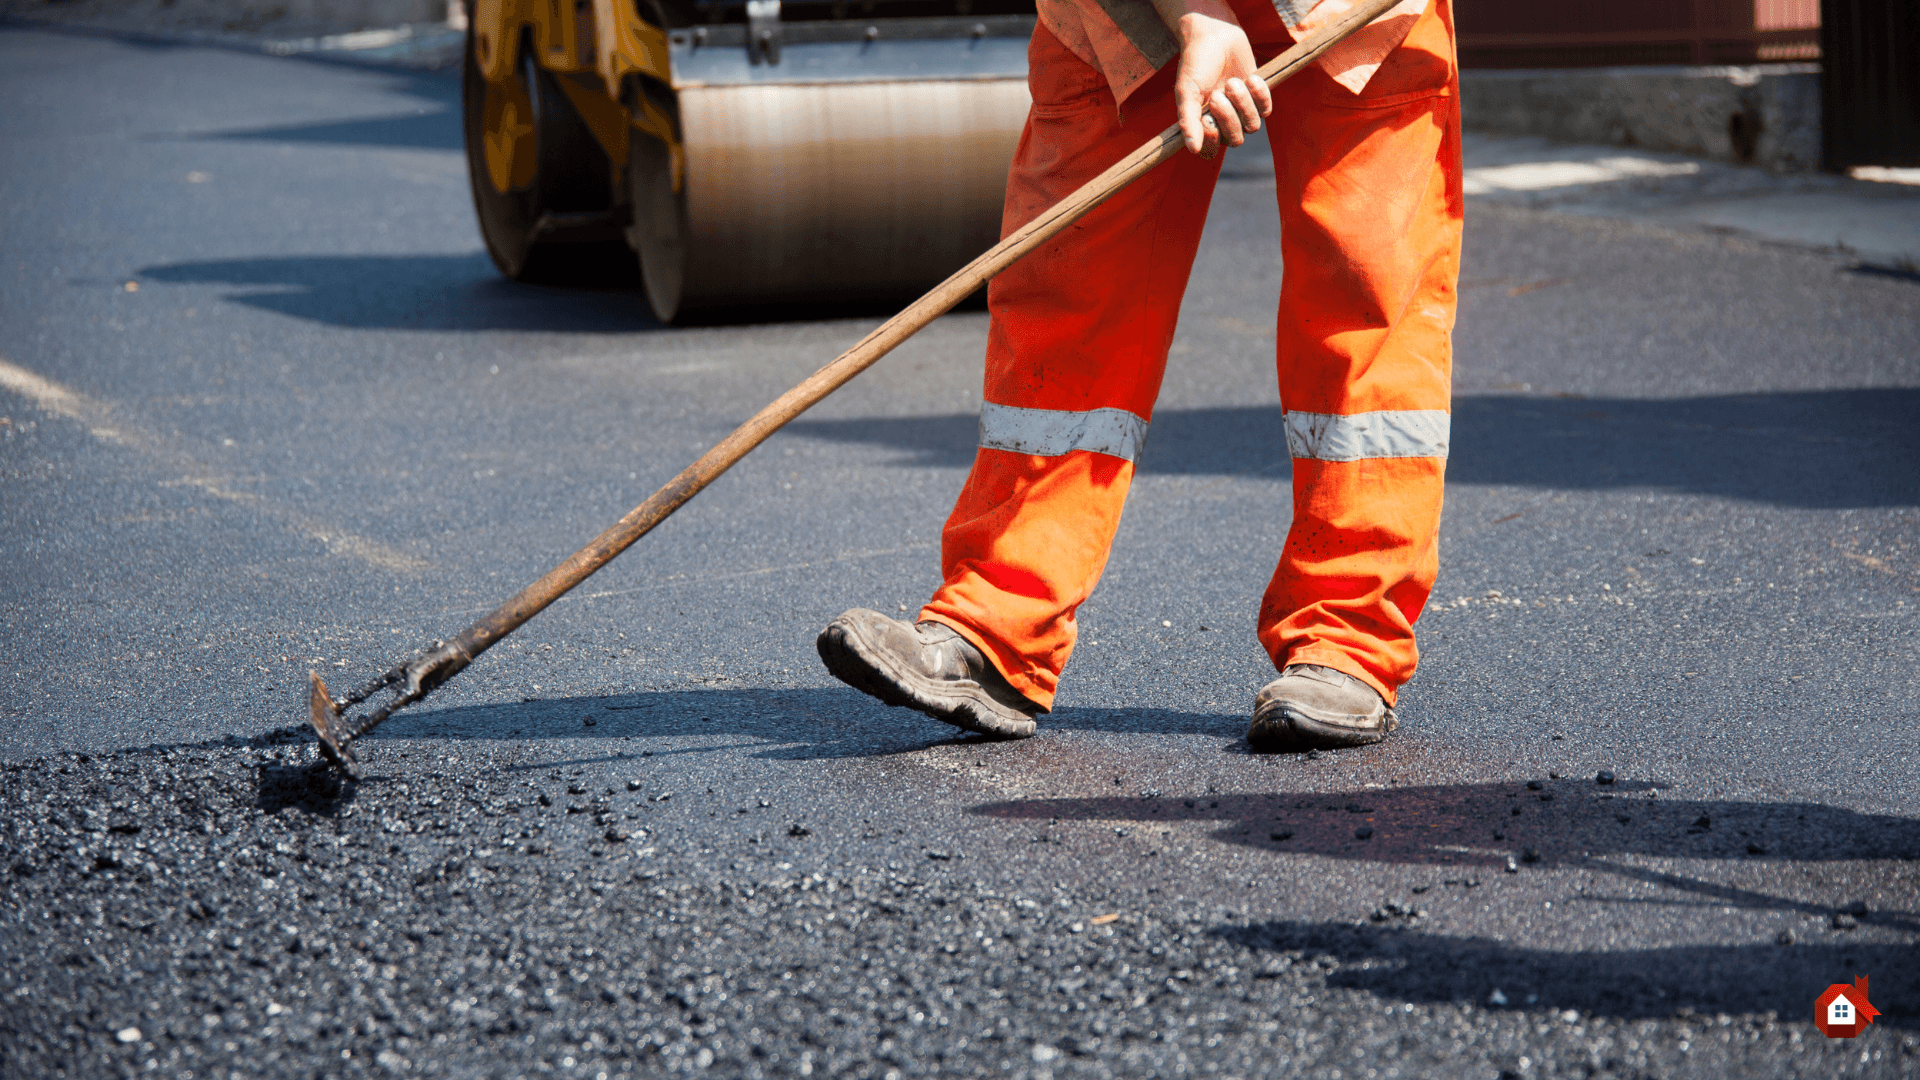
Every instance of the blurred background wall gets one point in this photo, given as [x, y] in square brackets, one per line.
[1789, 85]
[1607, 33]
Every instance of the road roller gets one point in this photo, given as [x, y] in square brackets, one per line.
[747, 151]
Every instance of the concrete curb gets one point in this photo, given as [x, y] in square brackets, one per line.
[1877, 224]
[1766, 115]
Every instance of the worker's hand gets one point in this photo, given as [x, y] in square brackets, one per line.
[1217, 90]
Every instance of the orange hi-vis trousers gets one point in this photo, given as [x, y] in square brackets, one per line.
[1370, 215]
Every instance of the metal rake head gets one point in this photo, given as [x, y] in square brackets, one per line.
[417, 678]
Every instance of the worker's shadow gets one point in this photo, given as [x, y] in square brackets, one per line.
[1708, 984]
[1639, 851]
[1472, 830]
[808, 724]
[1469, 833]
[782, 725]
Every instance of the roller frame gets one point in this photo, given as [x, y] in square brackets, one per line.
[882, 151]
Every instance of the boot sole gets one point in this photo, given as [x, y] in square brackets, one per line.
[1283, 729]
[870, 671]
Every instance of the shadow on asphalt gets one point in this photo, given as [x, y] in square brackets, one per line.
[811, 724]
[1471, 828]
[1464, 831]
[1827, 449]
[435, 128]
[1888, 272]
[1632, 984]
[314, 787]
[789, 725]
[582, 288]
[429, 292]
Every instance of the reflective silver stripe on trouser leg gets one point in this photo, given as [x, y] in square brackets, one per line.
[1053, 432]
[1405, 433]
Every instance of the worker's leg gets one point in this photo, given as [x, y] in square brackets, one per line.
[1078, 344]
[1370, 209]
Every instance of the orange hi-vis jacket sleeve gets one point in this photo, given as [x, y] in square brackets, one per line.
[1126, 41]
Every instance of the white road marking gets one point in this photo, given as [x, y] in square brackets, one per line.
[99, 420]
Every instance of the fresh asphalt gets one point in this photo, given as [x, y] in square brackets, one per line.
[267, 408]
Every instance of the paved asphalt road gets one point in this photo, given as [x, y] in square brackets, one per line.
[268, 408]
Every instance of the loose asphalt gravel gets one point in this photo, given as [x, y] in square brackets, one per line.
[233, 910]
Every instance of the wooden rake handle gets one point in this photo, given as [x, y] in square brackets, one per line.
[445, 659]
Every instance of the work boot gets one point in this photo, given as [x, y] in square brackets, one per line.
[1310, 707]
[925, 666]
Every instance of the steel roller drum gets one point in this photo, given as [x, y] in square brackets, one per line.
[846, 170]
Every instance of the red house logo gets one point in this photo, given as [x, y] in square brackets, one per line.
[1843, 1011]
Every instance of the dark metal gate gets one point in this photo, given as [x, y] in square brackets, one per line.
[1870, 82]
